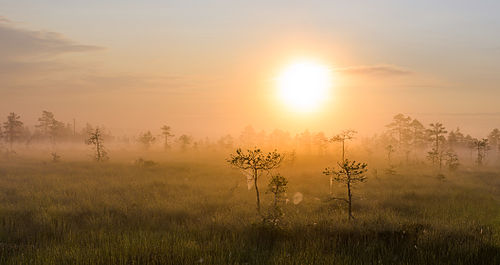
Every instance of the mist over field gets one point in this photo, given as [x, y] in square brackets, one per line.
[258, 132]
[426, 195]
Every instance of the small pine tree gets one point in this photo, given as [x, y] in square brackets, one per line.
[147, 139]
[185, 141]
[166, 131]
[342, 137]
[278, 187]
[451, 160]
[12, 130]
[436, 132]
[482, 146]
[390, 150]
[95, 139]
[348, 173]
[255, 162]
[436, 157]
[55, 157]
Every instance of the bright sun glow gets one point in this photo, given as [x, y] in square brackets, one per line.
[304, 85]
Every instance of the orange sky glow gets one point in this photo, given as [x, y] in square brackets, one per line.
[211, 69]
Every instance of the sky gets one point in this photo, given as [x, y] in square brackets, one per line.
[208, 68]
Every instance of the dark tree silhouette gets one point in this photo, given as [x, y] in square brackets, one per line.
[494, 140]
[348, 173]
[45, 122]
[55, 157]
[147, 139]
[436, 132]
[49, 126]
[277, 186]
[417, 134]
[95, 139]
[255, 162]
[436, 157]
[166, 131]
[482, 146]
[390, 150]
[342, 137]
[400, 126]
[12, 129]
[418, 137]
[451, 160]
[185, 140]
[455, 138]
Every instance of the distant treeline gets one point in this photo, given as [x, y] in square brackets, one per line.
[48, 129]
[405, 139]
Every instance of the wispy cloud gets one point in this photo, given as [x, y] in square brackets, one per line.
[18, 43]
[381, 69]
[24, 51]
[14, 67]
[34, 60]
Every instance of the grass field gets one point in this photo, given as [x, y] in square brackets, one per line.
[201, 212]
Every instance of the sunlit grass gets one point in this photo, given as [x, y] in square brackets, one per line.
[188, 213]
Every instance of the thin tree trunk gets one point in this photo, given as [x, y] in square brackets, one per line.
[349, 202]
[98, 147]
[479, 156]
[399, 139]
[437, 142]
[331, 184]
[343, 150]
[256, 189]
[166, 143]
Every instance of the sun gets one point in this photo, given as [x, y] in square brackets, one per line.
[304, 85]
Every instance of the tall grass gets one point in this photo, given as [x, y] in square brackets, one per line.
[201, 212]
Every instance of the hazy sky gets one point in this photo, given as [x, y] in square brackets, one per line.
[207, 67]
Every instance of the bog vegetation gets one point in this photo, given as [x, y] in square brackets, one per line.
[413, 194]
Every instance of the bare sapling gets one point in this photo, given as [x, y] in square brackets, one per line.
[342, 137]
[95, 139]
[255, 162]
[348, 173]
